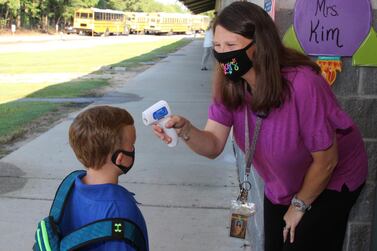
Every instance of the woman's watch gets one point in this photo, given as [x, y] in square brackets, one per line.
[299, 204]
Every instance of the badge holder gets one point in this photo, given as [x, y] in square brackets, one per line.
[240, 212]
[241, 209]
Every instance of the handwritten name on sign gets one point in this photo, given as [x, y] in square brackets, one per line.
[332, 27]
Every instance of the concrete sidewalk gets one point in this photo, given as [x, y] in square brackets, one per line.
[185, 197]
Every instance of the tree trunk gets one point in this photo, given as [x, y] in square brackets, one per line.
[18, 18]
[45, 23]
[6, 16]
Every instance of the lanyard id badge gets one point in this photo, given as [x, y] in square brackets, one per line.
[241, 209]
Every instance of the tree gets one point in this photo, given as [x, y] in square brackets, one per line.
[116, 4]
[152, 6]
[43, 13]
[11, 10]
[133, 5]
[31, 13]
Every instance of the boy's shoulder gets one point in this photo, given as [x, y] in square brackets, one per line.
[102, 192]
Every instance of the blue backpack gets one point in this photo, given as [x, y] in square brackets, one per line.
[48, 237]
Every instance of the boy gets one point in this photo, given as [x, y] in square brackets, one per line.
[103, 139]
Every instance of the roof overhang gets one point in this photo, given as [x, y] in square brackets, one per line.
[199, 6]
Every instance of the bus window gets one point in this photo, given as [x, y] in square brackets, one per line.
[90, 15]
[78, 14]
[84, 15]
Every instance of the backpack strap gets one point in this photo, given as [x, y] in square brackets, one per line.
[62, 193]
[104, 230]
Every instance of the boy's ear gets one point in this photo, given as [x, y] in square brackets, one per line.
[119, 159]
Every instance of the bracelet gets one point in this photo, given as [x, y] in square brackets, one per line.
[185, 133]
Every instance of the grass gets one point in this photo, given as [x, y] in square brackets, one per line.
[10, 92]
[72, 89]
[15, 115]
[28, 63]
[83, 60]
[153, 55]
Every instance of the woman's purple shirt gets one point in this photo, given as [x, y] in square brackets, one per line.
[305, 123]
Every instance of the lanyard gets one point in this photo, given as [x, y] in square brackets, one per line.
[245, 185]
[249, 151]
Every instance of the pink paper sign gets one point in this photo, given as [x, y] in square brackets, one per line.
[332, 27]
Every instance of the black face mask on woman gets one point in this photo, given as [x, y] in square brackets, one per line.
[234, 63]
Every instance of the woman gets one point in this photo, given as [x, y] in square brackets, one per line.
[308, 152]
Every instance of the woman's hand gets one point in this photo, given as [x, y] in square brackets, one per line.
[180, 124]
[315, 181]
[292, 217]
[208, 142]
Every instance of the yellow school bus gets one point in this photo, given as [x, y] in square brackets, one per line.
[137, 21]
[99, 21]
[200, 23]
[162, 23]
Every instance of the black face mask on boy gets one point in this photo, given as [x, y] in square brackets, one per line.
[124, 169]
[234, 63]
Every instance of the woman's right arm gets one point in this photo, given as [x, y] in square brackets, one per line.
[208, 142]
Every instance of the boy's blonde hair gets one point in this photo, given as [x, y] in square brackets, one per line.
[97, 132]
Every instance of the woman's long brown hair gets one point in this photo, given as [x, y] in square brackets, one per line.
[270, 56]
